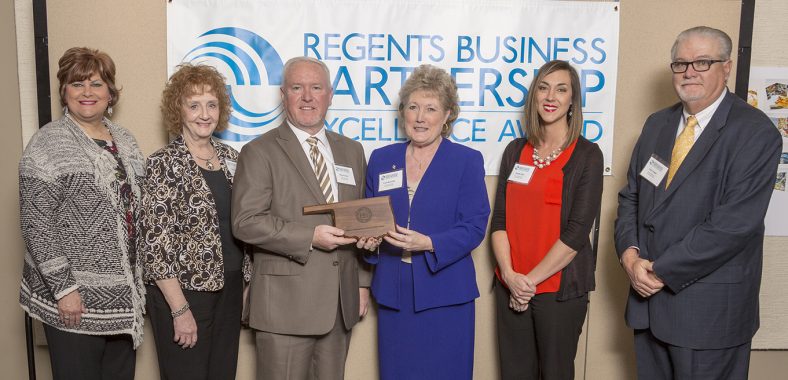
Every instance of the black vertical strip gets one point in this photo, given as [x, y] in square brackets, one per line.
[42, 62]
[31, 359]
[745, 48]
[41, 42]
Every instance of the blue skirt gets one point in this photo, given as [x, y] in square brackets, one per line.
[431, 344]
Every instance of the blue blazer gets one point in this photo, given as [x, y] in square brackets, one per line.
[705, 232]
[451, 207]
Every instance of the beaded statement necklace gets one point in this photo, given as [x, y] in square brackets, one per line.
[540, 162]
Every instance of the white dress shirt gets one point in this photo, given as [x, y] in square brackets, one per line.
[325, 150]
[703, 117]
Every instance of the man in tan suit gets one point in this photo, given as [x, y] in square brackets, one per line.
[309, 287]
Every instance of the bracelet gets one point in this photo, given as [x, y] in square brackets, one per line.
[181, 311]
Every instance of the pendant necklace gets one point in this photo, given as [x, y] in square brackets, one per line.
[208, 160]
[413, 156]
[421, 165]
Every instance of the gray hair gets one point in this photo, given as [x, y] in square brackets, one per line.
[722, 38]
[294, 60]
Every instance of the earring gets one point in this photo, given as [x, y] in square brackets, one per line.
[569, 114]
[109, 111]
[445, 129]
[65, 110]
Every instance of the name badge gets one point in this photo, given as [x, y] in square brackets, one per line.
[521, 174]
[231, 165]
[390, 180]
[654, 171]
[344, 175]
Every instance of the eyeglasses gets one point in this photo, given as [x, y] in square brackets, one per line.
[700, 65]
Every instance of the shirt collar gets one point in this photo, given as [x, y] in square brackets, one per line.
[704, 117]
[302, 136]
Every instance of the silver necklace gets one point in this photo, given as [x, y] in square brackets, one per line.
[540, 162]
[208, 160]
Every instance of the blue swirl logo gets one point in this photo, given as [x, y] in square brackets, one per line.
[245, 58]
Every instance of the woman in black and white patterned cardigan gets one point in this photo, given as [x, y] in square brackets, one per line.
[79, 185]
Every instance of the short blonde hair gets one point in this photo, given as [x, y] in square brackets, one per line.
[188, 81]
[438, 82]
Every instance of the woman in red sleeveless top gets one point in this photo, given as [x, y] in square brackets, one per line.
[549, 193]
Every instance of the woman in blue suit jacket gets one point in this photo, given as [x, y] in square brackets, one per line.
[425, 282]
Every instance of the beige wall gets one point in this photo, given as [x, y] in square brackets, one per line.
[133, 33]
[12, 327]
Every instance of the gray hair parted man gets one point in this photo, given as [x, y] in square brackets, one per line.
[309, 285]
[690, 227]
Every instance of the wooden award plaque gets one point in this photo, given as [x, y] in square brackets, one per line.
[369, 217]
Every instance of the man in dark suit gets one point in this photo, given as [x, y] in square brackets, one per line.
[689, 232]
[309, 287]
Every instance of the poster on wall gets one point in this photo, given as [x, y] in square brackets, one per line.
[768, 91]
[492, 48]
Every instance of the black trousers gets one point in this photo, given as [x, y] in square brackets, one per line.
[218, 317]
[541, 342]
[657, 360]
[90, 357]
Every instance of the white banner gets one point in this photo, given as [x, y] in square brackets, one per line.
[492, 48]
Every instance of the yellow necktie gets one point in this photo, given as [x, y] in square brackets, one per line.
[682, 147]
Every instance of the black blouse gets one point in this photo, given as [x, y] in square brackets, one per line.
[222, 195]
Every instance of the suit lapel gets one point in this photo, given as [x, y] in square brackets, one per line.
[400, 196]
[699, 150]
[289, 143]
[343, 158]
[664, 150]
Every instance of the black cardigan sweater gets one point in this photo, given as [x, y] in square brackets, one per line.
[580, 201]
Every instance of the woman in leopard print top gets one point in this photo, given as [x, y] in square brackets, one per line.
[194, 267]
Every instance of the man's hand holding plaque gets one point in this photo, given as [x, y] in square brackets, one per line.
[366, 220]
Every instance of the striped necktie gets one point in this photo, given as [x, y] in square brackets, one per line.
[321, 170]
[681, 147]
